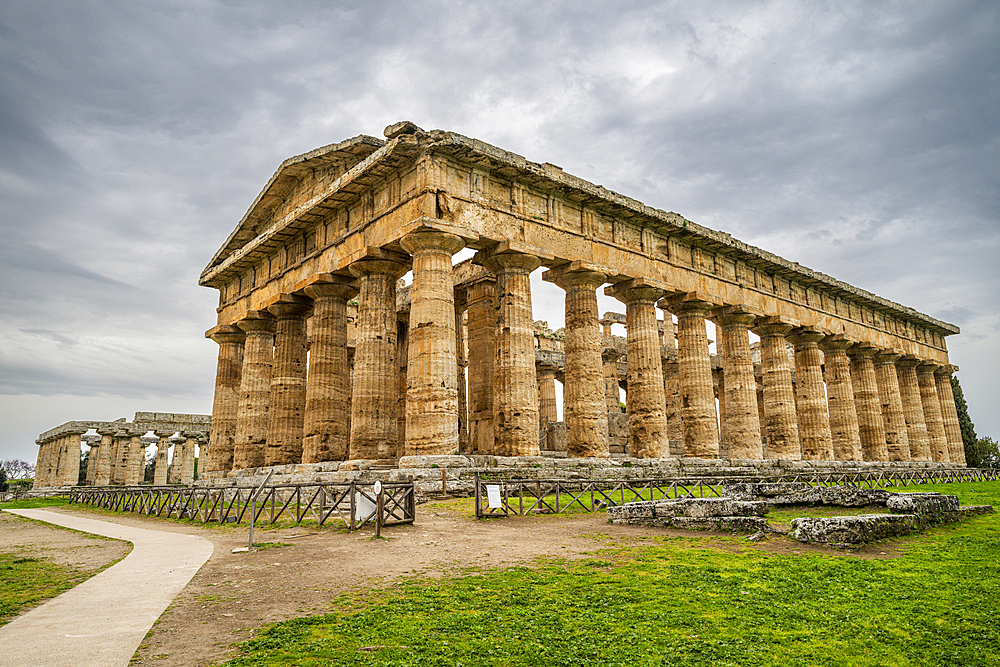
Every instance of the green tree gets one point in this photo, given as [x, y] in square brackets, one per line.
[3, 480]
[985, 454]
[84, 462]
[969, 440]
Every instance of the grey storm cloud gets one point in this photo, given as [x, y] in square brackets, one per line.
[857, 138]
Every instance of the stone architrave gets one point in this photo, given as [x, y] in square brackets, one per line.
[162, 457]
[515, 394]
[871, 427]
[840, 398]
[105, 458]
[697, 394]
[645, 400]
[586, 411]
[949, 414]
[375, 387]
[482, 315]
[227, 396]
[896, 439]
[286, 409]
[815, 437]
[913, 408]
[463, 398]
[432, 357]
[742, 418]
[547, 412]
[932, 412]
[250, 437]
[325, 431]
[780, 419]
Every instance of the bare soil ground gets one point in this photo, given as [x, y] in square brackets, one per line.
[234, 595]
[81, 551]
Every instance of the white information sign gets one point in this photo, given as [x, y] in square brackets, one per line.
[378, 487]
[364, 508]
[493, 496]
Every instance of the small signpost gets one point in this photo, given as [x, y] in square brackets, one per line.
[253, 505]
[378, 508]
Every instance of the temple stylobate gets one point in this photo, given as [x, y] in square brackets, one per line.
[319, 361]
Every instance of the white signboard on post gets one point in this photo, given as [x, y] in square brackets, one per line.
[493, 496]
[364, 508]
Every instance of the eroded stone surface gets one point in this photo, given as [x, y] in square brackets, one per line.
[853, 531]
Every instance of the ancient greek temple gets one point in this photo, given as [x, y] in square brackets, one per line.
[117, 450]
[325, 356]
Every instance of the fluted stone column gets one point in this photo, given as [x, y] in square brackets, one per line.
[780, 419]
[325, 430]
[645, 400]
[932, 412]
[742, 421]
[609, 359]
[896, 440]
[871, 427]
[913, 408]
[162, 457]
[119, 464]
[287, 407]
[432, 359]
[402, 355]
[949, 414]
[515, 398]
[585, 412]
[71, 467]
[227, 397]
[463, 399]
[547, 412]
[135, 469]
[92, 456]
[697, 394]
[840, 398]
[250, 437]
[375, 392]
[482, 314]
[106, 457]
[815, 437]
[191, 439]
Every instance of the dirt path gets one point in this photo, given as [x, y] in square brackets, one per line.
[235, 594]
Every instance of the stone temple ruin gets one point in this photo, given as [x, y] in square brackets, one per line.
[118, 450]
[454, 362]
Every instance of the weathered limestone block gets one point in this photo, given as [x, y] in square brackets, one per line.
[250, 436]
[687, 507]
[868, 402]
[730, 524]
[780, 419]
[897, 442]
[949, 414]
[482, 314]
[932, 412]
[375, 391]
[618, 432]
[585, 408]
[742, 418]
[225, 405]
[913, 409]
[645, 400]
[515, 395]
[556, 437]
[853, 531]
[434, 461]
[975, 510]
[810, 397]
[840, 398]
[843, 496]
[930, 507]
[326, 434]
[697, 395]
[762, 490]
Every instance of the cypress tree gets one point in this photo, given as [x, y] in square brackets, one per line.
[969, 439]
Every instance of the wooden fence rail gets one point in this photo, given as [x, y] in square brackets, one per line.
[353, 503]
[498, 496]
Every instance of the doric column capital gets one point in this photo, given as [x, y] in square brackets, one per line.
[835, 342]
[122, 433]
[106, 430]
[928, 366]
[774, 326]
[690, 302]
[289, 306]
[196, 435]
[807, 336]
[887, 356]
[577, 276]
[370, 267]
[163, 433]
[331, 285]
[256, 320]
[863, 349]
[429, 240]
[512, 261]
[637, 290]
[225, 333]
[909, 361]
[946, 370]
[737, 314]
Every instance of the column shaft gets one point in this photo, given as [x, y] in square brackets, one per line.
[810, 397]
[697, 394]
[840, 399]
[71, 460]
[287, 407]
[932, 412]
[135, 469]
[742, 421]
[227, 397]
[913, 408]
[162, 459]
[896, 440]
[547, 412]
[95, 453]
[780, 419]
[463, 398]
[515, 395]
[250, 437]
[868, 403]
[482, 314]
[949, 414]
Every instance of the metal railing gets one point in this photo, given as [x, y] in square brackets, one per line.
[499, 496]
[351, 502]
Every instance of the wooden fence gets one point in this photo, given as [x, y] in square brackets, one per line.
[498, 496]
[353, 503]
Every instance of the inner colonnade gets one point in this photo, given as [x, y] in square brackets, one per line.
[458, 370]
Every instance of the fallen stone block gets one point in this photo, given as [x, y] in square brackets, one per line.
[732, 524]
[975, 510]
[851, 531]
[930, 507]
[759, 490]
[687, 507]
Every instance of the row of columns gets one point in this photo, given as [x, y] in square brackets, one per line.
[118, 457]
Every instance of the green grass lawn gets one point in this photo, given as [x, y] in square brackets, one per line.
[27, 581]
[672, 603]
[30, 503]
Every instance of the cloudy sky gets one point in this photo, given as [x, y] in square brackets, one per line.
[859, 139]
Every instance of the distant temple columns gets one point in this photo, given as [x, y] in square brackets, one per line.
[645, 400]
[949, 413]
[105, 458]
[815, 437]
[482, 322]
[913, 408]
[742, 421]
[932, 412]
[162, 457]
[586, 410]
